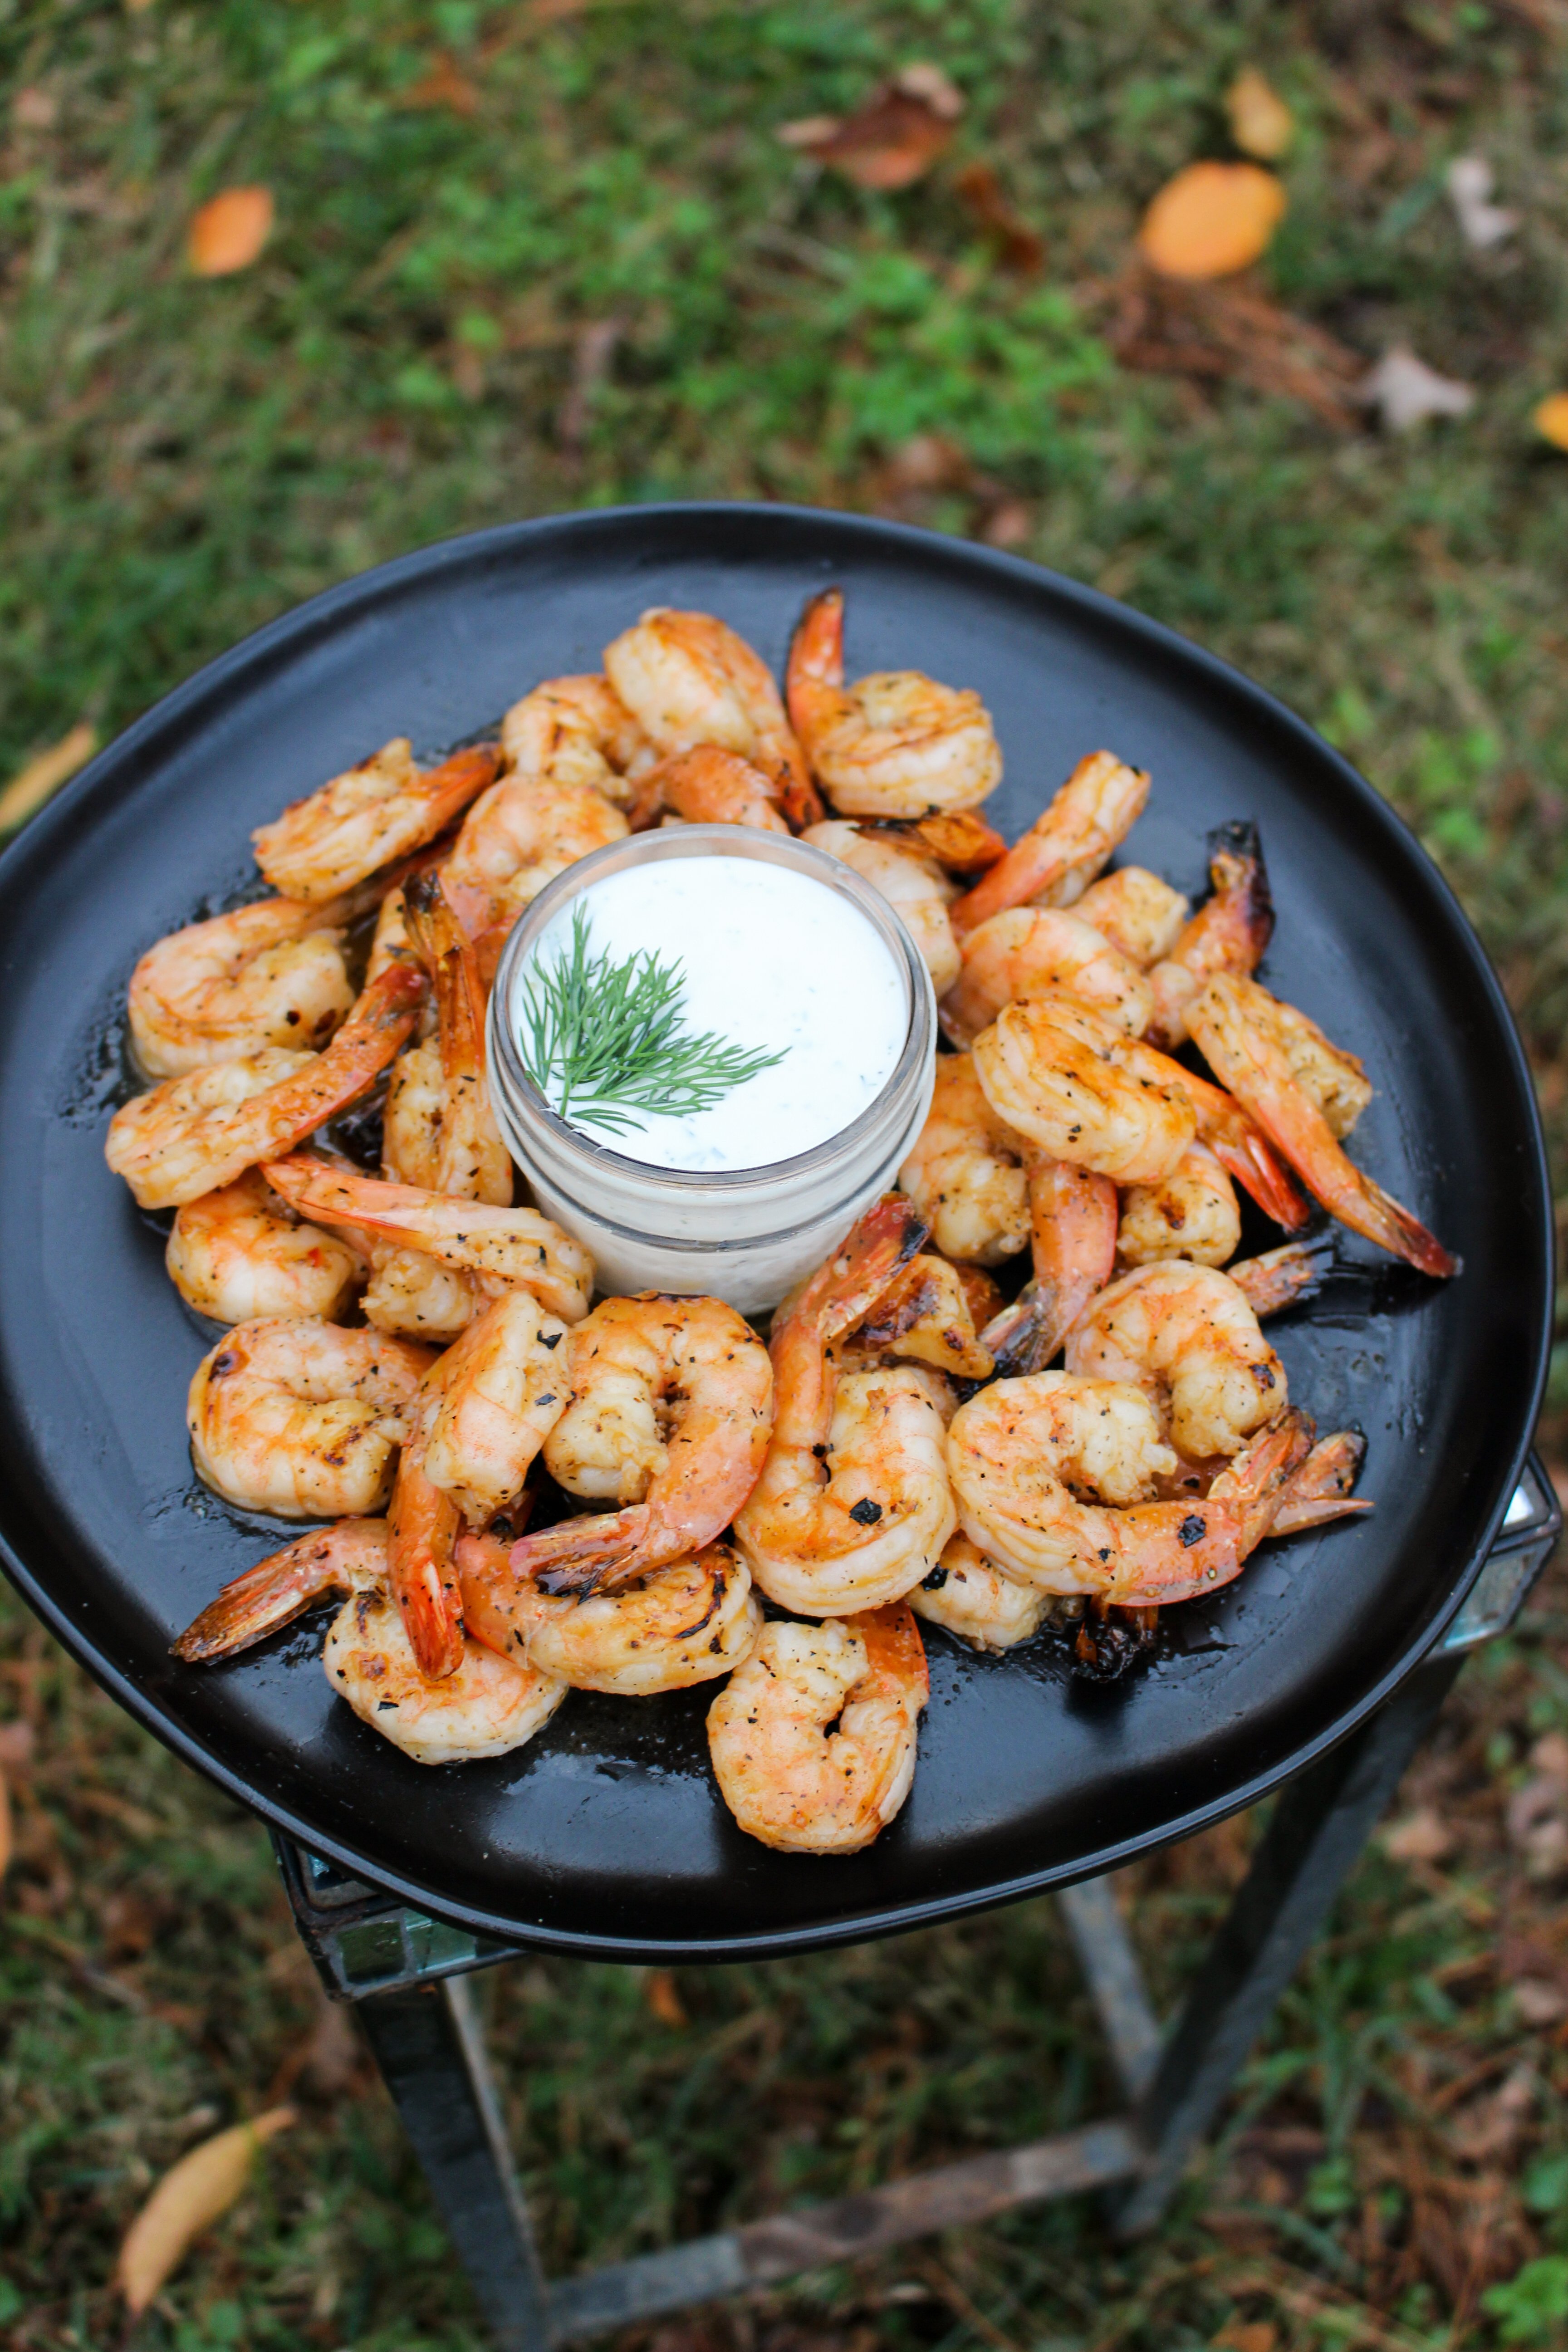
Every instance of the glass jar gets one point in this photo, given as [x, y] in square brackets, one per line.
[748, 1234]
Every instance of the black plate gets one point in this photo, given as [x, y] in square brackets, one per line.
[605, 1836]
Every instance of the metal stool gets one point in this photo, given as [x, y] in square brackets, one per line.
[407, 1972]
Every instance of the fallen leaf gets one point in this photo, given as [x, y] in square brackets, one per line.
[1469, 181]
[31, 785]
[6, 1837]
[1009, 525]
[35, 109]
[1494, 2126]
[1407, 391]
[17, 1745]
[1260, 122]
[1420, 1836]
[1212, 219]
[1540, 2002]
[444, 85]
[1247, 2336]
[662, 1997]
[593, 355]
[894, 139]
[1165, 327]
[1549, 1754]
[1022, 248]
[188, 2199]
[229, 231]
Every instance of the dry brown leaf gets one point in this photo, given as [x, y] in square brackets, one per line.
[1420, 1836]
[894, 139]
[1165, 327]
[35, 109]
[444, 85]
[663, 1997]
[229, 232]
[31, 785]
[1260, 122]
[1550, 419]
[1212, 219]
[1247, 2336]
[192, 2195]
[1023, 247]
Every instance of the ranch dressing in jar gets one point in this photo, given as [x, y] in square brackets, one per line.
[773, 963]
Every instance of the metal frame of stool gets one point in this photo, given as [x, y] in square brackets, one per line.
[406, 1973]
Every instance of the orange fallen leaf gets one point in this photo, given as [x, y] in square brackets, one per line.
[1260, 122]
[1212, 219]
[442, 86]
[192, 2195]
[1023, 247]
[31, 785]
[1551, 420]
[229, 232]
[894, 139]
[663, 1999]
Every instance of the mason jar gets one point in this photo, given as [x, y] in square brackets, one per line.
[746, 1235]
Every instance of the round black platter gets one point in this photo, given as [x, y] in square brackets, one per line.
[605, 1836]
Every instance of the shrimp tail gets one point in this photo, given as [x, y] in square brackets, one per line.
[815, 655]
[590, 1554]
[1245, 1152]
[1283, 1277]
[1321, 1489]
[879, 1245]
[329, 1561]
[1379, 1217]
[1074, 1216]
[423, 1525]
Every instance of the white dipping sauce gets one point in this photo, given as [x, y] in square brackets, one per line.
[774, 962]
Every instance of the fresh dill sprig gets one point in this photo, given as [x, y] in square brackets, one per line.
[604, 1041]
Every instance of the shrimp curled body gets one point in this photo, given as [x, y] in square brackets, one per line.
[301, 1418]
[789, 1780]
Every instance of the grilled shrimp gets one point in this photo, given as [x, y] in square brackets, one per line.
[1033, 950]
[518, 836]
[487, 1706]
[852, 1506]
[1235, 1023]
[240, 1252]
[965, 1174]
[926, 1315]
[896, 744]
[301, 1419]
[192, 1135]
[1321, 1489]
[482, 1412]
[1228, 934]
[1192, 1213]
[682, 1625]
[505, 1248]
[1022, 1452]
[1219, 1120]
[466, 1154]
[910, 883]
[364, 819]
[1053, 863]
[669, 1406]
[271, 974]
[577, 731]
[969, 1595]
[813, 1738]
[1050, 1082]
[707, 786]
[1072, 1219]
[490, 1705]
[687, 679]
[1186, 1335]
[1136, 912]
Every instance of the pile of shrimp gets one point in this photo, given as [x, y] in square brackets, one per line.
[411, 1358]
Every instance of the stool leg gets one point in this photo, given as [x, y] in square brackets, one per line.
[1320, 1825]
[431, 2048]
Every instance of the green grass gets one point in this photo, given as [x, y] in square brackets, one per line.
[179, 459]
